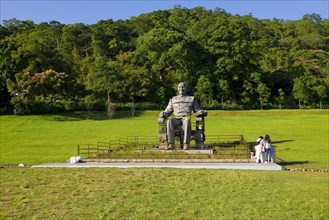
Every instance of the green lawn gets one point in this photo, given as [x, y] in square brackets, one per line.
[108, 193]
[300, 137]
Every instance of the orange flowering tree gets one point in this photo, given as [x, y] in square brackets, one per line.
[47, 87]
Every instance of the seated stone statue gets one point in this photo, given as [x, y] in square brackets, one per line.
[182, 107]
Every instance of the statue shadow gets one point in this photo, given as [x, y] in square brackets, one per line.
[93, 115]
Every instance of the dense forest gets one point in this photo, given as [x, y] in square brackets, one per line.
[228, 61]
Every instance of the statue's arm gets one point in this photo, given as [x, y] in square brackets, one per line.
[199, 112]
[168, 111]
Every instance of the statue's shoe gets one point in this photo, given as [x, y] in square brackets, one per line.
[170, 147]
[186, 146]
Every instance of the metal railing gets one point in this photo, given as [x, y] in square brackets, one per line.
[146, 147]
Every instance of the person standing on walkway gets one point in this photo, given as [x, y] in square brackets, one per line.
[259, 148]
[268, 149]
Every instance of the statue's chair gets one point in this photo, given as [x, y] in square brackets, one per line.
[197, 131]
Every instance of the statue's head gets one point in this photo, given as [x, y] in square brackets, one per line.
[182, 88]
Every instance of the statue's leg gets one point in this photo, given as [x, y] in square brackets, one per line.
[187, 130]
[171, 126]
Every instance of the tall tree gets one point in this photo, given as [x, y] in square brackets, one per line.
[105, 81]
[223, 91]
[300, 91]
[168, 57]
[255, 88]
[232, 42]
[281, 97]
[203, 91]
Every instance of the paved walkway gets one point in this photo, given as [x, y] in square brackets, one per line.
[232, 166]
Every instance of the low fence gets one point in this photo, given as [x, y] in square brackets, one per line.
[92, 150]
[145, 147]
[229, 146]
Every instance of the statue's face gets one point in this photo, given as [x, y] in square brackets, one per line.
[181, 88]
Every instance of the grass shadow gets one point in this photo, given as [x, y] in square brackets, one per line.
[252, 144]
[288, 163]
[282, 141]
[94, 115]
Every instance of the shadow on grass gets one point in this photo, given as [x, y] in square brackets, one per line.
[252, 144]
[95, 115]
[282, 141]
[288, 163]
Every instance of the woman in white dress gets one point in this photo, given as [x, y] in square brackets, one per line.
[259, 149]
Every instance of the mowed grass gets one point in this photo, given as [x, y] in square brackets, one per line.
[300, 137]
[109, 193]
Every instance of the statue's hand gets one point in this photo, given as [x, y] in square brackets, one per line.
[162, 118]
[162, 115]
[201, 113]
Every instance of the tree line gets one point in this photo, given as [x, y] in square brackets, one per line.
[228, 61]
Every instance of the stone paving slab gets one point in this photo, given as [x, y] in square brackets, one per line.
[232, 166]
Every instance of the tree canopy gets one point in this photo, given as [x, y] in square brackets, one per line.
[228, 61]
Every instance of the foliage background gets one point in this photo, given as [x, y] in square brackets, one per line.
[229, 62]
